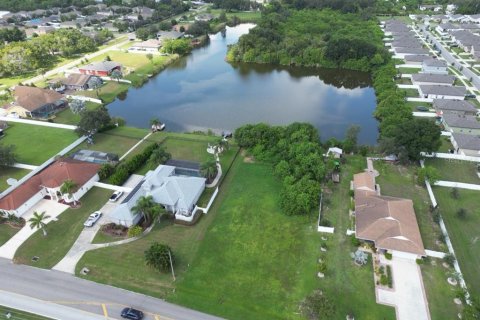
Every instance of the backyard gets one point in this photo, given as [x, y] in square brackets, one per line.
[35, 144]
[10, 172]
[66, 116]
[455, 170]
[61, 233]
[463, 232]
[400, 181]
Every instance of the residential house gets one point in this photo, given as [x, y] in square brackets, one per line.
[444, 28]
[474, 18]
[461, 123]
[442, 92]
[407, 43]
[101, 69]
[388, 222]
[434, 66]
[144, 12]
[461, 107]
[431, 7]
[95, 156]
[416, 59]
[466, 144]
[335, 152]
[432, 78]
[204, 17]
[402, 52]
[176, 193]
[47, 184]
[148, 46]
[168, 35]
[33, 102]
[74, 81]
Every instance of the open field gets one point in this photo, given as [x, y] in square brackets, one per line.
[61, 233]
[35, 144]
[400, 181]
[19, 315]
[464, 233]
[6, 232]
[455, 170]
[10, 172]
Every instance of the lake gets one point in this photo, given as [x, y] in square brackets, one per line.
[202, 91]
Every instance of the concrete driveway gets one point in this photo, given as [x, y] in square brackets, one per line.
[52, 208]
[408, 294]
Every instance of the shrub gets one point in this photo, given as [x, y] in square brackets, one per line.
[351, 193]
[135, 231]
[388, 256]
[462, 213]
[454, 193]
[158, 256]
[355, 241]
[106, 170]
[322, 267]
[449, 259]
[389, 277]
[325, 222]
[383, 280]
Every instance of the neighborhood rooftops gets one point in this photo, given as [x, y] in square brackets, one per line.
[467, 141]
[416, 58]
[443, 90]
[434, 63]
[453, 105]
[106, 66]
[461, 121]
[31, 98]
[389, 222]
[433, 78]
[169, 35]
[52, 176]
[411, 50]
[150, 43]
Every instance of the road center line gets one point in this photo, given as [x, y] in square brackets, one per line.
[105, 313]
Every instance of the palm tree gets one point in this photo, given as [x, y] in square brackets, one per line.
[147, 208]
[209, 169]
[37, 221]
[67, 187]
[154, 122]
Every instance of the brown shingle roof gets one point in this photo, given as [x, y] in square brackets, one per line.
[51, 177]
[389, 222]
[77, 79]
[32, 98]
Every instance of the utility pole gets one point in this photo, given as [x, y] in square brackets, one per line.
[171, 265]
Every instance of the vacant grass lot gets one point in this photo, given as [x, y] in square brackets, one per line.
[439, 293]
[410, 92]
[409, 70]
[6, 232]
[185, 149]
[19, 315]
[9, 172]
[464, 233]
[61, 233]
[400, 181]
[35, 144]
[413, 105]
[455, 170]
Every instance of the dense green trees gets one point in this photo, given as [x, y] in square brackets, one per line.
[230, 5]
[12, 34]
[297, 158]
[178, 46]
[7, 155]
[160, 257]
[93, 120]
[312, 38]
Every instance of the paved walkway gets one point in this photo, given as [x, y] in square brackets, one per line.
[52, 208]
[217, 178]
[408, 295]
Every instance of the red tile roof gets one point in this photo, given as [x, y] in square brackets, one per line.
[51, 177]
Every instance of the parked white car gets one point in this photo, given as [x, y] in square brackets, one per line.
[115, 196]
[94, 217]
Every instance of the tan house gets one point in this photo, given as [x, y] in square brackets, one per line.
[32, 102]
[389, 222]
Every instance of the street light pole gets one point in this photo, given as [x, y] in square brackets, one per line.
[171, 265]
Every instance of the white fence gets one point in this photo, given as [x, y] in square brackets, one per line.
[419, 99]
[319, 227]
[424, 114]
[459, 185]
[407, 86]
[435, 254]
[38, 123]
[112, 187]
[450, 156]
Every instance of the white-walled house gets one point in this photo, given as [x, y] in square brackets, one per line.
[466, 144]
[176, 193]
[148, 46]
[442, 92]
[434, 66]
[47, 184]
[432, 78]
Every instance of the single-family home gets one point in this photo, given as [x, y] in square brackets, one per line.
[406, 43]
[431, 7]
[402, 52]
[204, 17]
[466, 144]
[432, 78]
[144, 12]
[416, 59]
[388, 222]
[461, 107]
[148, 46]
[98, 157]
[74, 81]
[167, 35]
[456, 17]
[442, 92]
[474, 18]
[434, 66]
[461, 123]
[444, 28]
[33, 102]
[175, 192]
[101, 69]
[47, 184]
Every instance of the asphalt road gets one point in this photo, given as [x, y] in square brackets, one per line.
[58, 290]
[451, 59]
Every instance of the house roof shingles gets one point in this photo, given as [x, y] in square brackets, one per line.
[101, 66]
[467, 141]
[443, 90]
[461, 121]
[433, 78]
[32, 98]
[453, 105]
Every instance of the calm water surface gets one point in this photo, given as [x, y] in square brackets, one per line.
[202, 91]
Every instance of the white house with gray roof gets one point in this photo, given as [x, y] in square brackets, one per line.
[401, 52]
[416, 59]
[432, 78]
[456, 123]
[434, 66]
[461, 107]
[442, 92]
[176, 193]
[466, 144]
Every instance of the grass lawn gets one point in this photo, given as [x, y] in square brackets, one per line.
[400, 181]
[19, 315]
[6, 232]
[446, 145]
[61, 233]
[464, 234]
[102, 237]
[185, 149]
[409, 70]
[455, 170]
[410, 92]
[403, 81]
[439, 293]
[9, 172]
[35, 144]
[108, 92]
[413, 105]
[66, 116]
